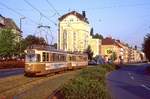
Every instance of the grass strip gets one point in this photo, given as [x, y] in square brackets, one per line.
[89, 84]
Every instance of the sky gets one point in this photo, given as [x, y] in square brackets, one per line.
[127, 20]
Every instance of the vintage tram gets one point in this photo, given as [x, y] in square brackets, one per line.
[42, 60]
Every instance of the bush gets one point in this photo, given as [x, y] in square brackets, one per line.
[12, 64]
[90, 84]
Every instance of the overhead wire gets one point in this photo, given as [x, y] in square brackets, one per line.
[18, 13]
[40, 12]
[51, 5]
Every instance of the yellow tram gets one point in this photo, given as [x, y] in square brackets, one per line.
[41, 60]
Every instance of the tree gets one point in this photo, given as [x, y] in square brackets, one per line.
[28, 41]
[146, 46]
[89, 52]
[20, 47]
[135, 47]
[113, 57]
[55, 45]
[31, 40]
[7, 43]
[91, 32]
[98, 36]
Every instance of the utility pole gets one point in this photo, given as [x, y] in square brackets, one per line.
[21, 24]
[21, 33]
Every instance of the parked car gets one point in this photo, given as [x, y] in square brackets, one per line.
[92, 62]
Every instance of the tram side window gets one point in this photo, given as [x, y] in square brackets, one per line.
[38, 58]
[85, 58]
[73, 58]
[70, 58]
[78, 58]
[62, 57]
[51, 57]
[45, 56]
[59, 57]
[81, 58]
[55, 57]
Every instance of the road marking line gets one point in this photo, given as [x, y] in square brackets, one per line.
[129, 73]
[132, 77]
[145, 87]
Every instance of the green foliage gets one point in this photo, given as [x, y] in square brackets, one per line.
[146, 46]
[28, 41]
[90, 84]
[89, 52]
[113, 57]
[31, 40]
[10, 47]
[98, 36]
[55, 45]
[20, 47]
[91, 32]
[7, 43]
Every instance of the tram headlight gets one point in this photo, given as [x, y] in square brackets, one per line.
[28, 68]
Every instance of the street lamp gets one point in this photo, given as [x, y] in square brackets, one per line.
[21, 31]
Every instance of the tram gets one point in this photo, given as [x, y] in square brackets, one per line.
[42, 60]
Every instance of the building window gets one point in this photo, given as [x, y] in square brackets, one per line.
[65, 39]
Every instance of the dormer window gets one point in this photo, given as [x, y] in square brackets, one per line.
[71, 20]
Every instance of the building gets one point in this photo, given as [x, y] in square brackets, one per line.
[95, 45]
[8, 23]
[124, 53]
[74, 33]
[110, 46]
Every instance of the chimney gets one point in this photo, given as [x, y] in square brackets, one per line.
[84, 14]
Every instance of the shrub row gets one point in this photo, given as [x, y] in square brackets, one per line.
[89, 84]
[12, 64]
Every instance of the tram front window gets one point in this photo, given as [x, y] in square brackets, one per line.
[30, 58]
[33, 58]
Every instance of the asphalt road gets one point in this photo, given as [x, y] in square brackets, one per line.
[11, 72]
[131, 82]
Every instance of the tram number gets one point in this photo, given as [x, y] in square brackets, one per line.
[57, 65]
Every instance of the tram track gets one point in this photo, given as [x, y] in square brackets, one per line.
[17, 83]
[21, 85]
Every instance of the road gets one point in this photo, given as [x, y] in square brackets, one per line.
[11, 72]
[130, 82]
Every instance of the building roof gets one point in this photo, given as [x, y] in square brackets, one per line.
[80, 16]
[1, 20]
[9, 24]
[110, 41]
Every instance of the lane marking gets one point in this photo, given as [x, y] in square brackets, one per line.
[144, 86]
[132, 77]
[129, 73]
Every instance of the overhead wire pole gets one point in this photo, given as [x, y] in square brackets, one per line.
[39, 12]
[51, 5]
